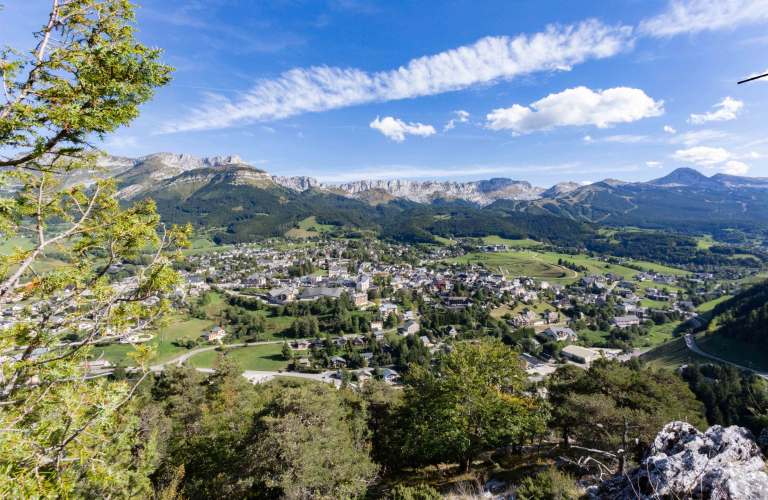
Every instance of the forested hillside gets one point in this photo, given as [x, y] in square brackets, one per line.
[685, 209]
[745, 316]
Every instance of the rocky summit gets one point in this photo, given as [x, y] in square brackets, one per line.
[723, 463]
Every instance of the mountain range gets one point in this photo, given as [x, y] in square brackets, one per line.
[225, 192]
[153, 172]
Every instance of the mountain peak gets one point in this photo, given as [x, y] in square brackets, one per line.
[688, 177]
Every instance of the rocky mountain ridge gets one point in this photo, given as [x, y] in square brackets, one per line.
[142, 175]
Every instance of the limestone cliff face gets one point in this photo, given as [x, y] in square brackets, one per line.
[480, 192]
[719, 464]
[300, 183]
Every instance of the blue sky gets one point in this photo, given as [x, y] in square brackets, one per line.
[544, 91]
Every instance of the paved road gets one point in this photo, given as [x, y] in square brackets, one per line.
[691, 343]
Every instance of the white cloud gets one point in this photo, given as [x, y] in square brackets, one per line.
[692, 138]
[751, 155]
[578, 106]
[764, 79]
[268, 129]
[729, 108]
[588, 139]
[487, 61]
[702, 155]
[669, 129]
[653, 164]
[586, 183]
[396, 129]
[735, 168]
[711, 157]
[121, 142]
[462, 118]
[627, 139]
[693, 16]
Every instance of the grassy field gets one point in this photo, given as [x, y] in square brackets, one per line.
[661, 333]
[8, 246]
[115, 353]
[164, 340]
[513, 264]
[204, 249]
[672, 354]
[600, 267]
[205, 359]
[307, 228]
[445, 241]
[596, 337]
[733, 350]
[708, 306]
[261, 357]
[498, 240]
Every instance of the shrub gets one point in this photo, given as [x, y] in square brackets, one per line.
[420, 492]
[550, 485]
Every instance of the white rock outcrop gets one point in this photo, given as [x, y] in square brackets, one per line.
[683, 463]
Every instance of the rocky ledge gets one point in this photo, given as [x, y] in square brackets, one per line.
[683, 463]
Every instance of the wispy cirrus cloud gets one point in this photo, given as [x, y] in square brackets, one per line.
[577, 107]
[487, 61]
[627, 139]
[697, 137]
[693, 16]
[121, 142]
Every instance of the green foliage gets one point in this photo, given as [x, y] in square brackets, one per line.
[207, 422]
[308, 443]
[420, 492]
[590, 405]
[745, 316]
[64, 436]
[476, 405]
[87, 76]
[391, 321]
[730, 396]
[549, 485]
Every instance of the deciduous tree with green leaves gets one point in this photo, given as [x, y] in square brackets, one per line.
[61, 431]
[475, 405]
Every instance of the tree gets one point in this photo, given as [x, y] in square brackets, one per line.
[209, 420]
[476, 405]
[64, 435]
[391, 320]
[591, 405]
[286, 351]
[307, 443]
